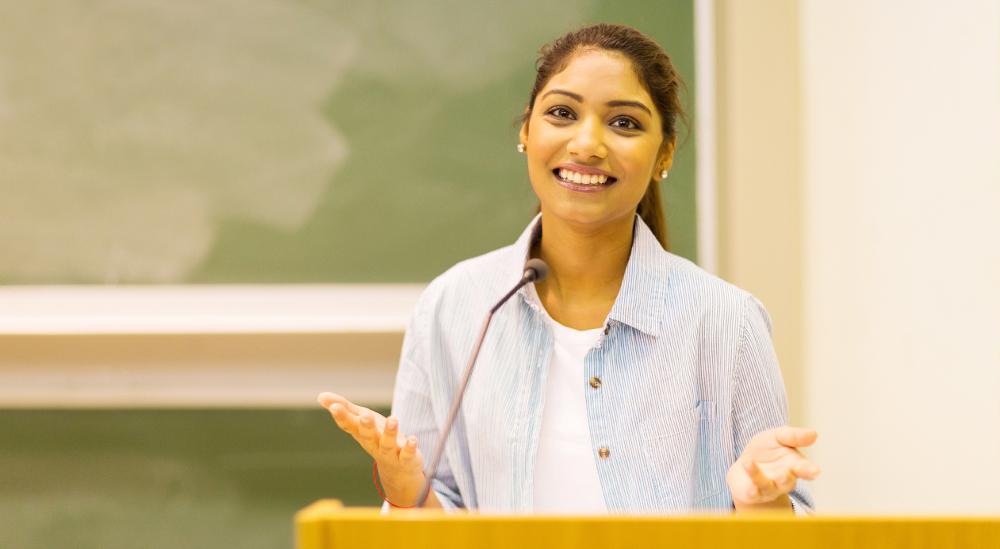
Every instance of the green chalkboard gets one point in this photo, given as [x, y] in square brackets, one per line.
[281, 141]
[127, 478]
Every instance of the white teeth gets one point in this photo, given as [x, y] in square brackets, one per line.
[581, 178]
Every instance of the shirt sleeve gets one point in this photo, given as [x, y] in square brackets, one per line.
[759, 401]
[412, 404]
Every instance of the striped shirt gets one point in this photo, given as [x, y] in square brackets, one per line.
[687, 373]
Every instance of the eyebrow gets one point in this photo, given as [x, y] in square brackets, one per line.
[614, 103]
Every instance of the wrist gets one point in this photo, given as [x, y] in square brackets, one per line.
[780, 504]
[401, 490]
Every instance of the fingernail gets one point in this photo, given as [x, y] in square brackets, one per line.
[391, 423]
[333, 408]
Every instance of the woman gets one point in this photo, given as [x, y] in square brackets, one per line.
[629, 379]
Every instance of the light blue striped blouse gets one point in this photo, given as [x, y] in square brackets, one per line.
[687, 368]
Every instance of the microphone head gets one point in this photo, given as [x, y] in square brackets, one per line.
[538, 268]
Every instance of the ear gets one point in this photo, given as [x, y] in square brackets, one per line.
[666, 157]
[523, 133]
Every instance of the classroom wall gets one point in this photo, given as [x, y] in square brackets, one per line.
[901, 215]
[859, 198]
[759, 172]
[859, 185]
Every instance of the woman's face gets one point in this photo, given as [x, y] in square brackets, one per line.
[593, 141]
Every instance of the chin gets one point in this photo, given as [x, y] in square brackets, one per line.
[584, 214]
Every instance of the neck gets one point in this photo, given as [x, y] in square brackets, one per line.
[587, 265]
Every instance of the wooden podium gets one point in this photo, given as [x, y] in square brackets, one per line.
[326, 524]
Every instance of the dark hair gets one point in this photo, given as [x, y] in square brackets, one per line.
[656, 73]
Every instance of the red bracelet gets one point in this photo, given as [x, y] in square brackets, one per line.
[379, 488]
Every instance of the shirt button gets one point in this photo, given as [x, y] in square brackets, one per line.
[607, 328]
[595, 382]
[604, 452]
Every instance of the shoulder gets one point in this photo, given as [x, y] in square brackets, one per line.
[451, 306]
[707, 289]
[719, 303]
[467, 283]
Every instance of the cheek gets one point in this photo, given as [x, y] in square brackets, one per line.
[637, 160]
[537, 171]
[541, 155]
[536, 178]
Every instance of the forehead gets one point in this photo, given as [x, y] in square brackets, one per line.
[600, 75]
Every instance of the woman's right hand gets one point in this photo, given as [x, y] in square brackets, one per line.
[400, 462]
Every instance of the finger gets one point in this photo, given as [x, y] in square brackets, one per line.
[387, 442]
[804, 468]
[408, 455]
[347, 421]
[763, 488]
[784, 483]
[800, 465]
[326, 399]
[368, 432]
[795, 437]
[351, 408]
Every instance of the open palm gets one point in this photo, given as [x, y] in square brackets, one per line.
[770, 465]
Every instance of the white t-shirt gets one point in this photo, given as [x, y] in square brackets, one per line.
[565, 468]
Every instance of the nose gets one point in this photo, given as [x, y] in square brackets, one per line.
[588, 141]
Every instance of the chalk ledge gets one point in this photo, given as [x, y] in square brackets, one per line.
[333, 308]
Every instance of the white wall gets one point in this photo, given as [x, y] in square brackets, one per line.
[901, 164]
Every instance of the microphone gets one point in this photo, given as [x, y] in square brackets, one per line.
[535, 270]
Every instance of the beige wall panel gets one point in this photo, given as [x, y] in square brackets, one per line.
[902, 279]
[759, 168]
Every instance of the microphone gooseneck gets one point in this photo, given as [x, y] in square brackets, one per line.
[535, 270]
[540, 268]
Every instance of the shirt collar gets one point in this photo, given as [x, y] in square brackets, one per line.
[642, 297]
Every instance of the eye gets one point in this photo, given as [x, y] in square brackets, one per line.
[560, 112]
[625, 123]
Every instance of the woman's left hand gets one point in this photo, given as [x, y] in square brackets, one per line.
[768, 468]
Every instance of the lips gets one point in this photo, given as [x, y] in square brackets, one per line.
[582, 187]
[580, 177]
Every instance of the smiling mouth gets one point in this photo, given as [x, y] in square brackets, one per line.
[587, 180]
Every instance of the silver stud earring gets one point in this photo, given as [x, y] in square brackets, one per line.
[520, 148]
[664, 174]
